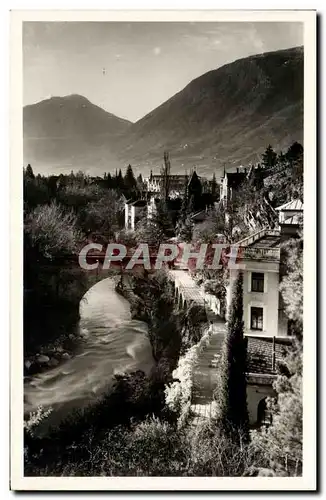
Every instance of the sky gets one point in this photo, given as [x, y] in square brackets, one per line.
[131, 68]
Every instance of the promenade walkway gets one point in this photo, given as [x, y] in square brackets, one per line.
[206, 370]
[206, 373]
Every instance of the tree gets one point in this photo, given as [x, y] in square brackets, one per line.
[291, 286]
[280, 445]
[294, 152]
[191, 205]
[108, 180]
[224, 222]
[130, 182]
[148, 232]
[119, 181]
[185, 230]
[102, 217]
[29, 172]
[295, 157]
[162, 218]
[140, 183]
[231, 394]
[214, 185]
[51, 231]
[165, 181]
[269, 157]
[195, 192]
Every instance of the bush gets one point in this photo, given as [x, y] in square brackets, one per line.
[178, 394]
[52, 232]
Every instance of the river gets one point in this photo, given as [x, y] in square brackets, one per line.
[111, 342]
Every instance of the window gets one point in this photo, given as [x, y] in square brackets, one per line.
[257, 282]
[256, 322]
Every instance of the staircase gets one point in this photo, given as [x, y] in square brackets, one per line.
[205, 375]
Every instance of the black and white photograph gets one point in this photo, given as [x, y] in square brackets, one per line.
[164, 227]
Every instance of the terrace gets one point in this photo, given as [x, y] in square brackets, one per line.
[263, 245]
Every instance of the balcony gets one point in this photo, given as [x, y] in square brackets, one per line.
[262, 233]
[256, 253]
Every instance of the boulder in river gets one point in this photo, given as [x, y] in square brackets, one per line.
[42, 359]
[53, 362]
[28, 364]
[66, 356]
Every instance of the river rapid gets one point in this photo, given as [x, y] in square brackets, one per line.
[111, 343]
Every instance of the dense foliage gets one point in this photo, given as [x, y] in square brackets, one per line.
[140, 426]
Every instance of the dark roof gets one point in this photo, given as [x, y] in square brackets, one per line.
[291, 205]
[139, 203]
[235, 179]
[260, 354]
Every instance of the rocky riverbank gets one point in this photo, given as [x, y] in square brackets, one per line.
[136, 306]
[52, 355]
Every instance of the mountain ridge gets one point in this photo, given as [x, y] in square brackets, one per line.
[226, 116]
[201, 123]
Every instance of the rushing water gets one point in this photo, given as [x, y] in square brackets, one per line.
[111, 343]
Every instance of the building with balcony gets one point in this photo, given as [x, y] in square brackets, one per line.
[259, 256]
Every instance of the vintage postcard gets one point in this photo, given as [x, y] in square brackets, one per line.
[163, 242]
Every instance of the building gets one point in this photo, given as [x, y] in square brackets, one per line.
[260, 256]
[263, 355]
[134, 211]
[230, 182]
[290, 216]
[176, 183]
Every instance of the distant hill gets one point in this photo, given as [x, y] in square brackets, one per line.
[64, 133]
[225, 117]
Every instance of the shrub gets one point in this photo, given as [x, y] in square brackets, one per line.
[178, 394]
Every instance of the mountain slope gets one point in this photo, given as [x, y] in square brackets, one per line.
[226, 116]
[70, 131]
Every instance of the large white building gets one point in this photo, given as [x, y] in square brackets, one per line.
[260, 256]
[177, 184]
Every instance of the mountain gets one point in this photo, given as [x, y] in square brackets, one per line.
[227, 116]
[64, 133]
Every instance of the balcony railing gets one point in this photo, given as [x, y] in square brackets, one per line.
[252, 253]
[249, 240]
